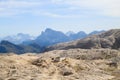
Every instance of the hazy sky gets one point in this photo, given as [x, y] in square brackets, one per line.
[33, 16]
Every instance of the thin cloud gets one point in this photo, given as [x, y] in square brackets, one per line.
[19, 4]
[95, 7]
[14, 7]
[56, 15]
[102, 7]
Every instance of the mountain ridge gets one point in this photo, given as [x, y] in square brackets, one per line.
[18, 39]
[108, 39]
[50, 37]
[22, 38]
[47, 38]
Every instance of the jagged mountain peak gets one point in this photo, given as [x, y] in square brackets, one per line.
[48, 29]
[69, 33]
[81, 32]
[50, 37]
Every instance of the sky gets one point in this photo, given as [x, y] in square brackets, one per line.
[33, 16]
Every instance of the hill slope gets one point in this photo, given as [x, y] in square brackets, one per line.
[7, 47]
[108, 39]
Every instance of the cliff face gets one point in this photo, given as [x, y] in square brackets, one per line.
[109, 39]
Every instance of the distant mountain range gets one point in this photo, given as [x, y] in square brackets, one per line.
[19, 38]
[109, 39]
[22, 43]
[50, 37]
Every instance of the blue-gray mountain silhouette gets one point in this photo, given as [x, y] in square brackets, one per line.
[19, 38]
[50, 37]
[7, 47]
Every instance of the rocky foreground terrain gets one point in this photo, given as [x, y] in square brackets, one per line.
[72, 64]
